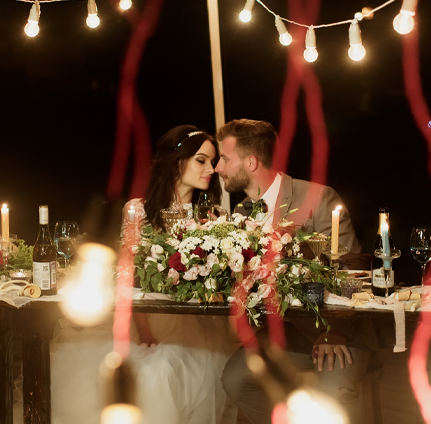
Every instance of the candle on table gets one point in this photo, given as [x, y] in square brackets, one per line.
[132, 213]
[335, 229]
[5, 222]
[385, 245]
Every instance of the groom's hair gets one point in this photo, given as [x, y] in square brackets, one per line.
[255, 138]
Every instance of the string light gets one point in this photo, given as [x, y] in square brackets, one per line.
[92, 19]
[404, 22]
[125, 4]
[32, 27]
[245, 14]
[285, 38]
[356, 50]
[310, 52]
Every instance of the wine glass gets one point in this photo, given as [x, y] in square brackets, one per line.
[204, 206]
[420, 248]
[66, 235]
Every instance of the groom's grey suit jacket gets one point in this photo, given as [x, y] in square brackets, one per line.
[315, 203]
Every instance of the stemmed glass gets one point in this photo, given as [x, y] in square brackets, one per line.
[420, 248]
[204, 206]
[66, 235]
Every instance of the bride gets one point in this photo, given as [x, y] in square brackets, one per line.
[177, 359]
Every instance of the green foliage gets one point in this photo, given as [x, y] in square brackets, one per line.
[21, 257]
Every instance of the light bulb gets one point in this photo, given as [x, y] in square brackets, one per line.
[32, 28]
[404, 22]
[285, 38]
[245, 14]
[125, 4]
[93, 20]
[310, 54]
[121, 413]
[357, 52]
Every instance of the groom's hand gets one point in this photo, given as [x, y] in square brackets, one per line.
[331, 351]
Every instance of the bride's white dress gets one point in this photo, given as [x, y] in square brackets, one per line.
[178, 381]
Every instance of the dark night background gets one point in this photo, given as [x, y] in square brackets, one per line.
[58, 104]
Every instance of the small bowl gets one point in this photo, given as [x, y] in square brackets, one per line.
[21, 274]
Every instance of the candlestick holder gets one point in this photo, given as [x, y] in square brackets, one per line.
[387, 264]
[317, 245]
[334, 262]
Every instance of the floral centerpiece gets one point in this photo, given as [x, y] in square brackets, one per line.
[240, 260]
[19, 257]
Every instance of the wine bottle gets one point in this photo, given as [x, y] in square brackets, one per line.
[45, 257]
[378, 284]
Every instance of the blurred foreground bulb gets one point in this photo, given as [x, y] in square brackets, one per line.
[125, 4]
[310, 53]
[32, 27]
[245, 14]
[92, 19]
[120, 391]
[356, 50]
[89, 296]
[404, 22]
[306, 406]
[285, 38]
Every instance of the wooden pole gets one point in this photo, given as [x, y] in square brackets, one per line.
[214, 28]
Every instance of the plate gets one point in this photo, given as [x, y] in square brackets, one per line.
[359, 274]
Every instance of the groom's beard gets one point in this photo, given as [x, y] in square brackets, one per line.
[238, 182]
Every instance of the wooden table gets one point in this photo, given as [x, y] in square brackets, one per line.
[37, 332]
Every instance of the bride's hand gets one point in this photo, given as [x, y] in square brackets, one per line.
[212, 216]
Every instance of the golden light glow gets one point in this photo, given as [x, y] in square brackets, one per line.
[93, 20]
[121, 413]
[125, 4]
[404, 22]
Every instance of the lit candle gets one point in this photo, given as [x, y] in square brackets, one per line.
[132, 214]
[5, 222]
[335, 229]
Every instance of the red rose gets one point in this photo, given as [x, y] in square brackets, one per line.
[248, 254]
[1, 258]
[199, 252]
[175, 262]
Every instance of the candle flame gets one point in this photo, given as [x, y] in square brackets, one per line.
[4, 206]
[132, 208]
[339, 207]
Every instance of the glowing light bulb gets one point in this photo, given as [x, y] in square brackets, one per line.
[310, 53]
[245, 15]
[93, 20]
[125, 4]
[32, 28]
[121, 413]
[356, 50]
[404, 22]
[285, 38]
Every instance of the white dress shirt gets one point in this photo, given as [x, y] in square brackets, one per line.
[270, 198]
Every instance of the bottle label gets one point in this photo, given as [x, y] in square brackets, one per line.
[43, 215]
[378, 278]
[45, 275]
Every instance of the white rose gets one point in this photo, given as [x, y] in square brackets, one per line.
[286, 238]
[191, 274]
[173, 273]
[236, 262]
[160, 267]
[156, 251]
[191, 225]
[204, 270]
[254, 263]
[212, 259]
[296, 302]
[226, 245]
[295, 270]
[173, 242]
[267, 229]
[211, 284]
[281, 269]
[149, 259]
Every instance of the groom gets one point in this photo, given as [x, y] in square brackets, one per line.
[245, 165]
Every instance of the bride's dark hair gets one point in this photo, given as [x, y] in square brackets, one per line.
[173, 150]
